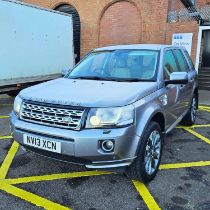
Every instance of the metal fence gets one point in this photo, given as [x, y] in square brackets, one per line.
[190, 14]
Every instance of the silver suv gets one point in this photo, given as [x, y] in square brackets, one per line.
[112, 110]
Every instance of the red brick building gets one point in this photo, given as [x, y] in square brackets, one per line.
[109, 22]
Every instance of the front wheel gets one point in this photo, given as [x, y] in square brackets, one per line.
[190, 117]
[146, 165]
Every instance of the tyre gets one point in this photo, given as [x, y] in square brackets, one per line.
[145, 166]
[13, 93]
[190, 117]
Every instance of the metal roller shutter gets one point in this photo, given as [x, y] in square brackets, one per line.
[76, 26]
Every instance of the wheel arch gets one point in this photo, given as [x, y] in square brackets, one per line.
[156, 116]
[160, 119]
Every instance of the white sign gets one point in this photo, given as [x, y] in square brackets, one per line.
[184, 39]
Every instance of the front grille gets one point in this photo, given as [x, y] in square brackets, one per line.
[69, 118]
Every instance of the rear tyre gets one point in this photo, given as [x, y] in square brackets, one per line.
[145, 166]
[190, 117]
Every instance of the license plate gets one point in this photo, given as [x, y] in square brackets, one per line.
[42, 143]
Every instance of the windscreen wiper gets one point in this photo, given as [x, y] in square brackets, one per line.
[92, 78]
[135, 80]
[111, 79]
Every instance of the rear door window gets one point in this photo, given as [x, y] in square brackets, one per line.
[181, 60]
[169, 64]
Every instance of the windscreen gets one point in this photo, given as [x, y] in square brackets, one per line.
[118, 64]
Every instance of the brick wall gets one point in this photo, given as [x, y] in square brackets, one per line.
[117, 27]
[105, 22]
[202, 2]
[143, 21]
[175, 5]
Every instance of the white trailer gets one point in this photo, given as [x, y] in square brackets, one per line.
[36, 45]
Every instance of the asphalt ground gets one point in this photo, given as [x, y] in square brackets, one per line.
[29, 181]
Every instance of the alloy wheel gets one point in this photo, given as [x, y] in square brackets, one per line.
[152, 152]
[193, 109]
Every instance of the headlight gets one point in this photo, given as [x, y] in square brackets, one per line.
[110, 117]
[17, 105]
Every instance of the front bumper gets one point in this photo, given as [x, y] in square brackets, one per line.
[82, 147]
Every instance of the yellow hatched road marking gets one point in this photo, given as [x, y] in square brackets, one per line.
[3, 117]
[4, 97]
[146, 196]
[55, 177]
[199, 126]
[198, 135]
[31, 198]
[206, 110]
[8, 160]
[6, 104]
[6, 184]
[5, 137]
[184, 165]
[194, 126]
[96, 173]
[204, 107]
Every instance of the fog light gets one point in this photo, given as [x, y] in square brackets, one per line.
[107, 145]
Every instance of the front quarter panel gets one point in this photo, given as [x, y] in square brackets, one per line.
[145, 109]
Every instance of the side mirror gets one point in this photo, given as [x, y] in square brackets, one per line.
[178, 78]
[64, 72]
